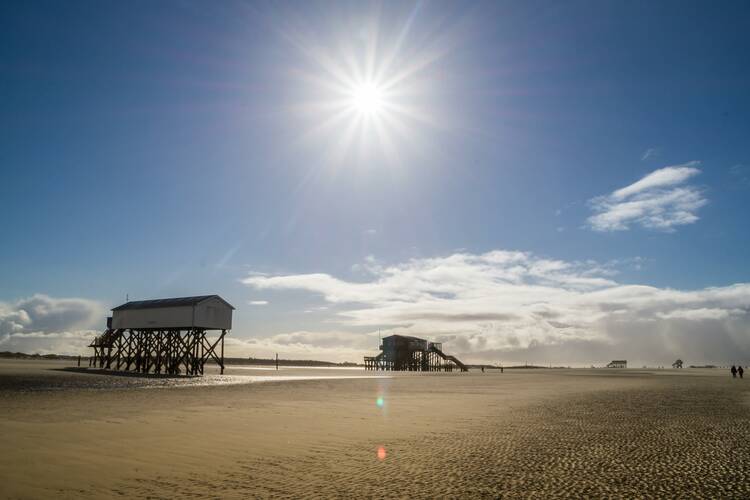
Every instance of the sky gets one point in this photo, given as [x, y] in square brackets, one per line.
[542, 182]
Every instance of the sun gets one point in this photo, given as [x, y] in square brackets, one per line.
[370, 91]
[367, 99]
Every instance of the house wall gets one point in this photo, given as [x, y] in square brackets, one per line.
[155, 317]
[212, 313]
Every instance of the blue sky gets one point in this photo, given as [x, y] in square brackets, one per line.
[176, 148]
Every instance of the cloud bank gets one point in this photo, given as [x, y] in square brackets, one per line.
[516, 306]
[47, 325]
[337, 345]
[660, 201]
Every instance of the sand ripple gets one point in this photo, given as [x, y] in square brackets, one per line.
[675, 441]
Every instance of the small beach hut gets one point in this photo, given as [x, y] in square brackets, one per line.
[618, 363]
[406, 353]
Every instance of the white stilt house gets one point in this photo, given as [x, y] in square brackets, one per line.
[209, 312]
[164, 335]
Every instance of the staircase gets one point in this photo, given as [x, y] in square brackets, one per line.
[106, 339]
[440, 353]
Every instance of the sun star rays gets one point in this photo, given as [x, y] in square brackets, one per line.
[364, 91]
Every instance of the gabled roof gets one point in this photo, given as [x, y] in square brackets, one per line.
[173, 302]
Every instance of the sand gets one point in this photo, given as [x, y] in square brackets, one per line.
[524, 433]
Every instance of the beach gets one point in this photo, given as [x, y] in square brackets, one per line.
[326, 433]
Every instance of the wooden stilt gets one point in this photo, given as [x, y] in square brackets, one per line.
[157, 351]
[223, 332]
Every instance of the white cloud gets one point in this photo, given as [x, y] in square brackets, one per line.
[315, 309]
[508, 305]
[700, 313]
[667, 176]
[43, 324]
[657, 201]
[334, 346]
[68, 343]
[258, 302]
[650, 153]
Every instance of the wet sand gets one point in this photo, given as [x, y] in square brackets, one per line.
[524, 433]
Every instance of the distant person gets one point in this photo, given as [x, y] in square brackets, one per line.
[483, 370]
[501, 369]
[734, 371]
[740, 371]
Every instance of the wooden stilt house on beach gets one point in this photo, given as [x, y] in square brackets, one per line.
[168, 336]
[405, 353]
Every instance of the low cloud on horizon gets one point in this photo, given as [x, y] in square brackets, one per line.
[47, 325]
[516, 306]
[498, 306]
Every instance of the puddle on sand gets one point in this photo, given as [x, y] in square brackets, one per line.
[220, 380]
[72, 380]
[266, 368]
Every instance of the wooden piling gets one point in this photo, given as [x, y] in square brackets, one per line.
[157, 351]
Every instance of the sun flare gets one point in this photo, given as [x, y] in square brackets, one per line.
[367, 99]
[369, 91]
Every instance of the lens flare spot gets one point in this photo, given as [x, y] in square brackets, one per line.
[381, 453]
[380, 402]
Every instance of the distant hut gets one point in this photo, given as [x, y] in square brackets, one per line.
[405, 353]
[677, 364]
[618, 363]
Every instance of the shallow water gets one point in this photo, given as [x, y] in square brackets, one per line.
[273, 367]
[217, 380]
[34, 376]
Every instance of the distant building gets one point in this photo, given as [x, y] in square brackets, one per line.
[618, 363]
[404, 353]
[677, 364]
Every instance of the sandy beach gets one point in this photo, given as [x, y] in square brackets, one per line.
[259, 433]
